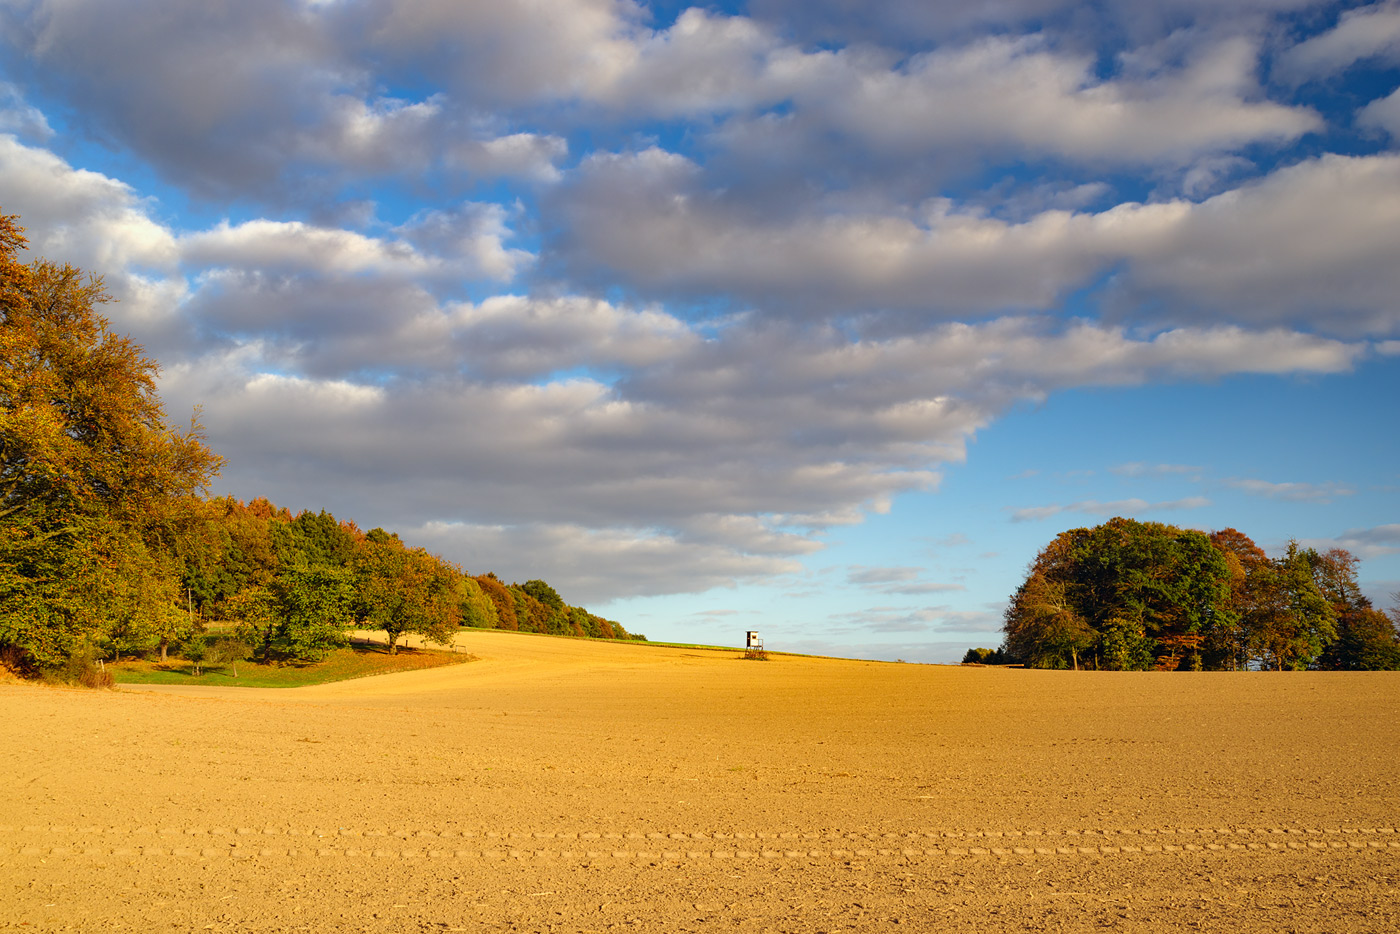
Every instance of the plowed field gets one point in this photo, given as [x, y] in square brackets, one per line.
[575, 786]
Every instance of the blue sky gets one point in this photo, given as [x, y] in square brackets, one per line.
[811, 316]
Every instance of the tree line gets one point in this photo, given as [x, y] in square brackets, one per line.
[110, 543]
[1133, 596]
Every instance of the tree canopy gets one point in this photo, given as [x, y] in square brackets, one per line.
[1129, 595]
[95, 487]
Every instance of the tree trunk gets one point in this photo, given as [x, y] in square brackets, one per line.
[393, 642]
[164, 644]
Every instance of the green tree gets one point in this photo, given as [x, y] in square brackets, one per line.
[544, 594]
[1366, 638]
[1123, 595]
[475, 608]
[315, 540]
[301, 616]
[401, 591]
[315, 605]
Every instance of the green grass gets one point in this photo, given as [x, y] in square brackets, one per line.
[360, 660]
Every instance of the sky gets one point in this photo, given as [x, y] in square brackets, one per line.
[814, 317]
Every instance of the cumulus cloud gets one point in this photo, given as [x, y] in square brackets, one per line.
[285, 102]
[501, 53]
[188, 87]
[101, 225]
[1369, 32]
[282, 101]
[594, 566]
[1382, 114]
[645, 216]
[512, 336]
[1306, 245]
[1000, 92]
[747, 443]
[532, 156]
[914, 22]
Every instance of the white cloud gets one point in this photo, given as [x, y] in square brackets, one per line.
[1369, 32]
[1140, 469]
[296, 246]
[592, 566]
[99, 224]
[999, 92]
[1293, 492]
[520, 155]
[643, 216]
[859, 574]
[904, 22]
[920, 619]
[283, 104]
[703, 64]
[1307, 245]
[1382, 114]
[463, 243]
[1114, 508]
[505, 52]
[1374, 542]
[18, 117]
[905, 581]
[80, 216]
[469, 239]
[524, 338]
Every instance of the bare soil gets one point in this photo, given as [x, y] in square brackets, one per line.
[574, 786]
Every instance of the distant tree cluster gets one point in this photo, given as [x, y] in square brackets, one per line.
[293, 585]
[110, 545]
[1132, 596]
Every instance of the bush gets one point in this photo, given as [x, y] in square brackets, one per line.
[83, 669]
[227, 650]
[986, 657]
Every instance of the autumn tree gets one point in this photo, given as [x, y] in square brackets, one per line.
[500, 597]
[402, 590]
[1366, 638]
[1042, 627]
[90, 473]
[1127, 595]
[1295, 621]
[1229, 639]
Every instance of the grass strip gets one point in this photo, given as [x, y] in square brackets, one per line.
[359, 660]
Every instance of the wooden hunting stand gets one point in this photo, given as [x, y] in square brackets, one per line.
[753, 647]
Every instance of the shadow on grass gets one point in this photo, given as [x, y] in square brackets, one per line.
[361, 658]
